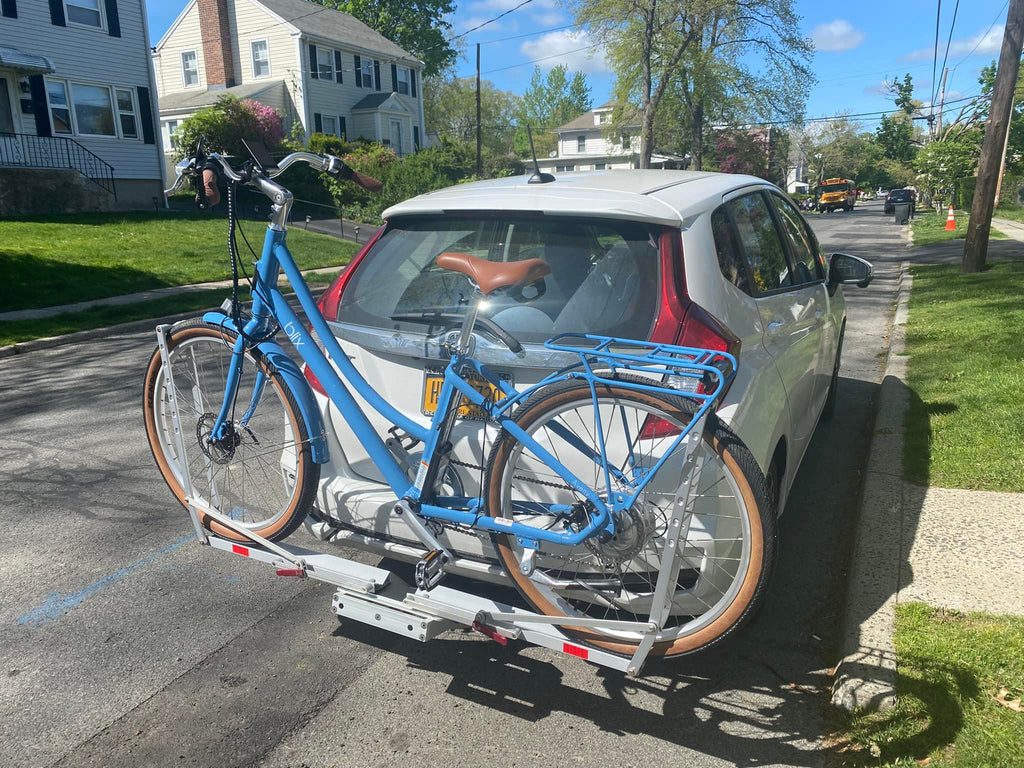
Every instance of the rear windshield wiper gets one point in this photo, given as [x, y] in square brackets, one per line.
[452, 318]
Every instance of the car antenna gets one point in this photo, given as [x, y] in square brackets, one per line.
[538, 177]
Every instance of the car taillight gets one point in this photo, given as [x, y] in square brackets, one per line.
[330, 301]
[685, 323]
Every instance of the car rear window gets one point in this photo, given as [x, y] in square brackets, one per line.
[604, 275]
[900, 195]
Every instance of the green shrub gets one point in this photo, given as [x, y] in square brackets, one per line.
[226, 123]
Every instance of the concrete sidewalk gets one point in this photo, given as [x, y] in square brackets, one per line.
[950, 548]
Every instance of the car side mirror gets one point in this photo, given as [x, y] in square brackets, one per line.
[844, 269]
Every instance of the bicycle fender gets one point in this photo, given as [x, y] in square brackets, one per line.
[296, 383]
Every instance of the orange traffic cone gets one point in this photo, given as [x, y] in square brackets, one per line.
[950, 220]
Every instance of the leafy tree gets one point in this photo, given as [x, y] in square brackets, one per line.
[418, 26]
[449, 108]
[741, 151]
[903, 95]
[895, 137]
[699, 49]
[548, 102]
[226, 123]
[941, 164]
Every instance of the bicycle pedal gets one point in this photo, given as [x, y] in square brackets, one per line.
[430, 570]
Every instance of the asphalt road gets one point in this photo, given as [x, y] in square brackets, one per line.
[124, 643]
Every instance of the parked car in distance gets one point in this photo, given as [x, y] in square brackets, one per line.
[899, 196]
[711, 260]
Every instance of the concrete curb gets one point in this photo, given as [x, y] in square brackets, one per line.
[865, 678]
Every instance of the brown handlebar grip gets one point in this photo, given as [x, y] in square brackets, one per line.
[210, 186]
[367, 182]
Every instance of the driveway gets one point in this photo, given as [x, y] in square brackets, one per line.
[124, 643]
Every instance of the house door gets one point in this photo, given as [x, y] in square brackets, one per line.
[396, 137]
[6, 115]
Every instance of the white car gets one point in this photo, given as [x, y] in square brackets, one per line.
[700, 259]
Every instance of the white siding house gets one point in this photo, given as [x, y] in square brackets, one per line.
[77, 100]
[322, 69]
[592, 143]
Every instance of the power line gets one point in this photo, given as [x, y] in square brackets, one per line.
[542, 58]
[982, 38]
[950, 38]
[935, 53]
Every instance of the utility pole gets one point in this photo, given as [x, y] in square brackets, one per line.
[942, 101]
[479, 135]
[976, 247]
[1002, 163]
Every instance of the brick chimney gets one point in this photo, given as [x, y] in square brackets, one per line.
[216, 31]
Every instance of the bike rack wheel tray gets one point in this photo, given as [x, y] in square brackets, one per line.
[374, 596]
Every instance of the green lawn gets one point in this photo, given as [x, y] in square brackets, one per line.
[1013, 214]
[966, 344]
[930, 228]
[951, 667]
[50, 260]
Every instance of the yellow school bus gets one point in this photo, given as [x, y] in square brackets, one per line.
[837, 193]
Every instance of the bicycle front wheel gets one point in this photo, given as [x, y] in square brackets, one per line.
[262, 475]
[724, 558]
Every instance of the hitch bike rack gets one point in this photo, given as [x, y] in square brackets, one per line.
[376, 597]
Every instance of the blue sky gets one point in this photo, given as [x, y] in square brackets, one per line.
[859, 46]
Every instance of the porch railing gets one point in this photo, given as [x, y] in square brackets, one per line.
[24, 150]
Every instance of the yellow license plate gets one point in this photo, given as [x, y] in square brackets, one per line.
[434, 379]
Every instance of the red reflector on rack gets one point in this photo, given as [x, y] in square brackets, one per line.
[575, 650]
[299, 573]
[239, 550]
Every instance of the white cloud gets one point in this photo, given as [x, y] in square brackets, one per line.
[474, 21]
[986, 42]
[548, 19]
[878, 89]
[838, 35]
[506, 5]
[574, 49]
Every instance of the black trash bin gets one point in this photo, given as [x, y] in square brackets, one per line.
[902, 212]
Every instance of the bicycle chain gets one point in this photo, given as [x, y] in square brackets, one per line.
[534, 480]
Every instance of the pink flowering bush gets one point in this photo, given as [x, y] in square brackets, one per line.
[269, 121]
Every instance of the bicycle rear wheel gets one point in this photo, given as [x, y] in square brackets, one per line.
[730, 541]
[264, 477]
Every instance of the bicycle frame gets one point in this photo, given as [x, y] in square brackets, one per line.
[269, 304]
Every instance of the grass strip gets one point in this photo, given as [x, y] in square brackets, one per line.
[52, 260]
[965, 344]
[930, 228]
[952, 668]
[18, 331]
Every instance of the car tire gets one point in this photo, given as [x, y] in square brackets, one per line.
[829, 409]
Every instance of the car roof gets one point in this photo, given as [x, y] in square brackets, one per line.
[657, 196]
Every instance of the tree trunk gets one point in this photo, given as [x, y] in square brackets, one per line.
[697, 137]
[646, 105]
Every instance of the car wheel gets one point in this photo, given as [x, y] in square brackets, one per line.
[829, 409]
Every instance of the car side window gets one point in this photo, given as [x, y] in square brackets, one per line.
[730, 261]
[801, 244]
[761, 243]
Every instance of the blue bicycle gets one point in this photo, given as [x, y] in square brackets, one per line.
[614, 498]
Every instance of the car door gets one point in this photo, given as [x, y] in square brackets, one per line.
[810, 272]
[791, 320]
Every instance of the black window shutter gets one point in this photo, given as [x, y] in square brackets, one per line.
[416, 137]
[313, 71]
[9, 8]
[337, 66]
[359, 72]
[376, 74]
[318, 123]
[113, 20]
[394, 79]
[37, 88]
[412, 83]
[341, 126]
[146, 115]
[57, 15]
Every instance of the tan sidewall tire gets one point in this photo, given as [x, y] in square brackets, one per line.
[761, 541]
[305, 468]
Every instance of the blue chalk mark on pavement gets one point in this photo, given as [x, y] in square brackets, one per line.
[54, 606]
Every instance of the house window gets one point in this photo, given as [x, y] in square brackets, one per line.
[94, 115]
[600, 166]
[560, 168]
[126, 113]
[330, 125]
[189, 69]
[626, 140]
[84, 12]
[581, 143]
[403, 81]
[60, 110]
[325, 63]
[172, 140]
[260, 59]
[366, 73]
